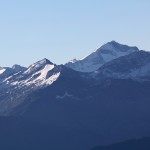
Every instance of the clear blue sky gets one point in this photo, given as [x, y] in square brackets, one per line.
[64, 29]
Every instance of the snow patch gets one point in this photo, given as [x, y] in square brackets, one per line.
[66, 95]
[39, 78]
[44, 72]
[2, 71]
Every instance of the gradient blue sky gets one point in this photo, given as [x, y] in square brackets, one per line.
[64, 29]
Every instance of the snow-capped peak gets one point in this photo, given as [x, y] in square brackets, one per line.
[38, 65]
[41, 63]
[44, 61]
[114, 46]
[43, 76]
[105, 53]
[39, 74]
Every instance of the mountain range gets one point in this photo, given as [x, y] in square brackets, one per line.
[98, 100]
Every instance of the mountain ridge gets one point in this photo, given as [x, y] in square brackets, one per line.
[105, 53]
